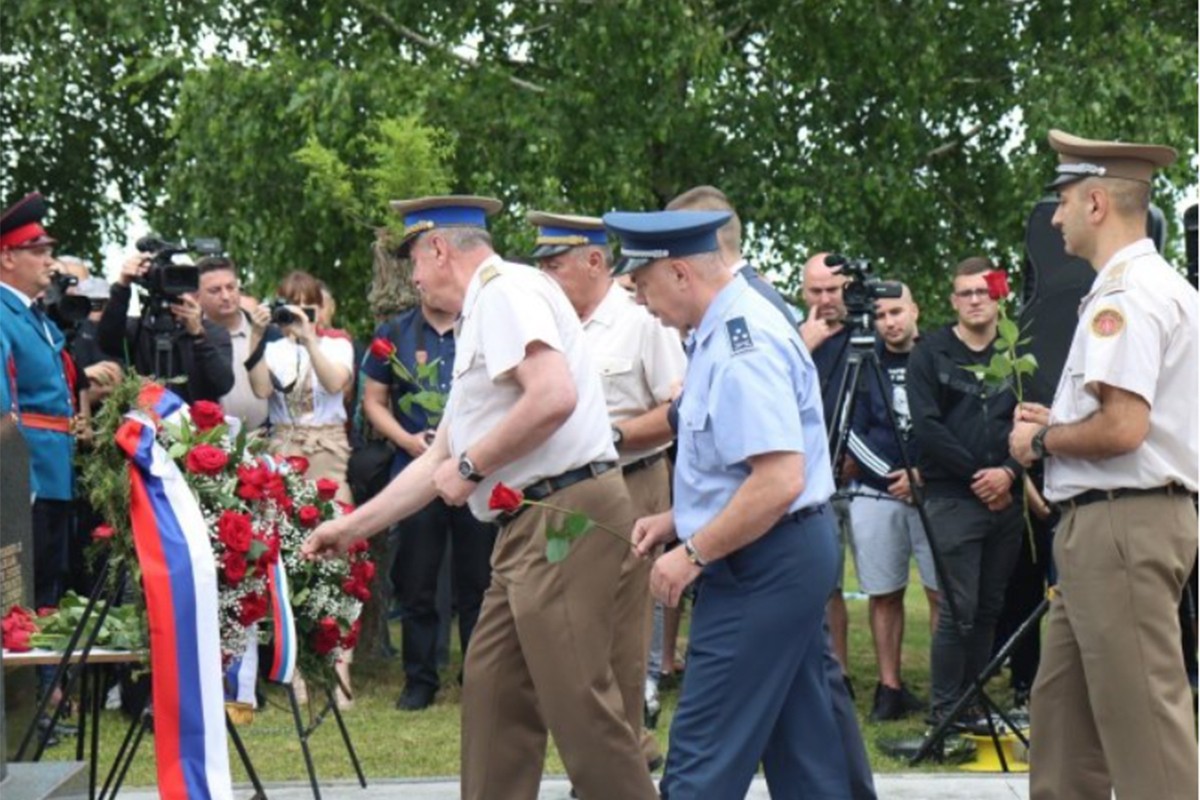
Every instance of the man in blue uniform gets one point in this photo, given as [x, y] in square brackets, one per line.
[41, 392]
[424, 335]
[751, 506]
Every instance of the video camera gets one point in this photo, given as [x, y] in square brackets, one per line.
[165, 278]
[67, 310]
[282, 315]
[861, 290]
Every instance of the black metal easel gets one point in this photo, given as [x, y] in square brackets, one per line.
[304, 732]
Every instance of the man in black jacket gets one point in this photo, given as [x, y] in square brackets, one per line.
[971, 482]
[200, 350]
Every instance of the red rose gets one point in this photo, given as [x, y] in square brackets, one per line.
[356, 589]
[361, 546]
[235, 567]
[204, 459]
[299, 464]
[253, 608]
[235, 531]
[207, 414]
[997, 284]
[345, 508]
[326, 488]
[382, 349]
[309, 516]
[16, 628]
[351, 637]
[363, 570]
[269, 556]
[327, 636]
[505, 498]
[17, 640]
[46, 611]
[102, 532]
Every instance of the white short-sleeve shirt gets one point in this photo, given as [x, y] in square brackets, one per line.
[506, 308]
[1137, 332]
[290, 363]
[641, 361]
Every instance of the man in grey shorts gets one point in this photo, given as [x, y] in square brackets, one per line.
[885, 525]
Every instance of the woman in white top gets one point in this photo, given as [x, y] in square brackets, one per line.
[303, 375]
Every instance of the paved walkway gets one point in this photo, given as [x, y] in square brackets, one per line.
[889, 787]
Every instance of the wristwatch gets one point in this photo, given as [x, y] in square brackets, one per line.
[618, 436]
[1038, 443]
[466, 469]
[693, 554]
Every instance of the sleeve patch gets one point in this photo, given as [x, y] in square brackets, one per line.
[739, 335]
[1107, 323]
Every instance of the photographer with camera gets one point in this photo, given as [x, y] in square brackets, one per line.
[170, 339]
[220, 298]
[303, 375]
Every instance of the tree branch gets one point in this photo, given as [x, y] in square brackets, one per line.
[951, 146]
[424, 41]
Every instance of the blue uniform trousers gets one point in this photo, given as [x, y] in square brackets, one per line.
[755, 688]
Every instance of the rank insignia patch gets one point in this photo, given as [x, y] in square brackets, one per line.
[739, 335]
[1107, 323]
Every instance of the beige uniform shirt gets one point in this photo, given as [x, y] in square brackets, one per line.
[1137, 332]
[240, 401]
[640, 360]
[507, 307]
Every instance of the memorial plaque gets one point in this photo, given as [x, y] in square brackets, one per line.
[16, 547]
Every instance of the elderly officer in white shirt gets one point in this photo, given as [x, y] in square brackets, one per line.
[641, 364]
[526, 409]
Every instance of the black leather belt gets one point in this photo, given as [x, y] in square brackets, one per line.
[1097, 495]
[548, 486]
[801, 514]
[642, 463]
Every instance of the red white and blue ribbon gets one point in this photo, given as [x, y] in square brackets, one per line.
[179, 575]
[283, 657]
[241, 678]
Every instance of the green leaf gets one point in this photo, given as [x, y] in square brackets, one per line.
[1008, 330]
[576, 525]
[177, 451]
[557, 549]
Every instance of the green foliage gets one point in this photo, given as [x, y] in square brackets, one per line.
[559, 540]
[121, 629]
[911, 133]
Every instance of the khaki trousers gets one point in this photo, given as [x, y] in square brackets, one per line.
[1111, 707]
[540, 659]
[325, 446]
[650, 491]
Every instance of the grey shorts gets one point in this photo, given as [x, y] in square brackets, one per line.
[887, 533]
[841, 511]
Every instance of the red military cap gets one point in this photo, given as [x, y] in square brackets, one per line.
[21, 223]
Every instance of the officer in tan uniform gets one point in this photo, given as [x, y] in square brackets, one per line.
[1111, 707]
[526, 408]
[641, 362]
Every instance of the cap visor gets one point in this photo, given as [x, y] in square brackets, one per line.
[627, 264]
[1061, 180]
[548, 250]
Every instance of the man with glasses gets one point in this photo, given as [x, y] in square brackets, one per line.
[961, 425]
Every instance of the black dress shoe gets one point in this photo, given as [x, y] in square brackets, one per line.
[887, 705]
[416, 697]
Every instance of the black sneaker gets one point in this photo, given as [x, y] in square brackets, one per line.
[416, 697]
[912, 703]
[888, 704]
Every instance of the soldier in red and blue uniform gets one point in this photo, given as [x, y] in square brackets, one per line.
[39, 386]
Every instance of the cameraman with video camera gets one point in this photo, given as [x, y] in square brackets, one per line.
[170, 339]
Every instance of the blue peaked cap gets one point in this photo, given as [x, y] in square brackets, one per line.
[650, 235]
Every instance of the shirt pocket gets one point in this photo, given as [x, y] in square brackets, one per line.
[698, 436]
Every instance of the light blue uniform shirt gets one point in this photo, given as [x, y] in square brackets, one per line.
[751, 388]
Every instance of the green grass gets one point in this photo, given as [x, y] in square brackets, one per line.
[392, 743]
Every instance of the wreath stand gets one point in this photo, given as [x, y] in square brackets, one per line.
[304, 732]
